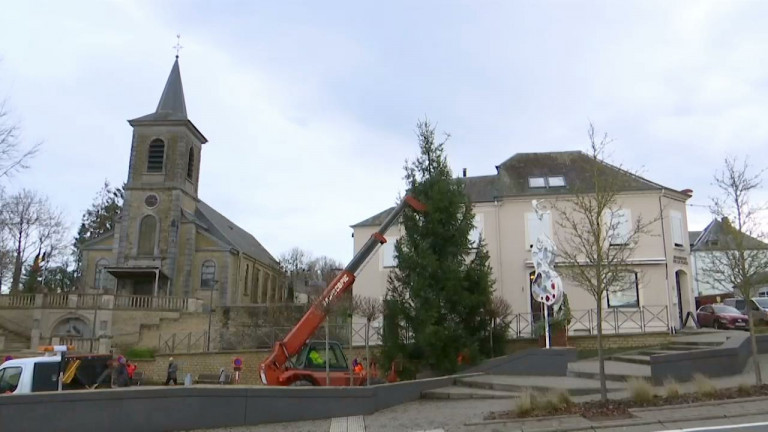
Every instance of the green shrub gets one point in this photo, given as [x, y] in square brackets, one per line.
[671, 388]
[640, 390]
[704, 385]
[140, 353]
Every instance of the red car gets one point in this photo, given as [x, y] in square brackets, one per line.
[720, 316]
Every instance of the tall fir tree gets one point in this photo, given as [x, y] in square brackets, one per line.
[98, 220]
[440, 290]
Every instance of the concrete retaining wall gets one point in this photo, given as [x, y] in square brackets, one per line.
[198, 407]
[534, 361]
[728, 359]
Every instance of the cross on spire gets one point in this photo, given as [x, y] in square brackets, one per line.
[178, 46]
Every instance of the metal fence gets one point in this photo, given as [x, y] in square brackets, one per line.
[646, 319]
[182, 342]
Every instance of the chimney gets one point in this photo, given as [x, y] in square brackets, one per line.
[463, 172]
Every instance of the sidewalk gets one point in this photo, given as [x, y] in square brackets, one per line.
[650, 419]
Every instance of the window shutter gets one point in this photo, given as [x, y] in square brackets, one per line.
[677, 228]
[477, 230]
[387, 253]
[534, 227]
[621, 226]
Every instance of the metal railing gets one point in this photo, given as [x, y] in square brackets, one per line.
[646, 319]
[182, 342]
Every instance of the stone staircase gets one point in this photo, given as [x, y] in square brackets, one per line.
[483, 386]
[16, 339]
[637, 364]
[13, 342]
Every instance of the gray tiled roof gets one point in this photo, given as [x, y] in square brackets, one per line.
[231, 234]
[715, 232]
[511, 178]
[693, 236]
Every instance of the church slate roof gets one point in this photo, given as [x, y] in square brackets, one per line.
[172, 105]
[511, 179]
[228, 232]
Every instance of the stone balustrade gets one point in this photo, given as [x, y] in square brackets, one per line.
[99, 301]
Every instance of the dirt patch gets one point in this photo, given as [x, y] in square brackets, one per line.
[619, 409]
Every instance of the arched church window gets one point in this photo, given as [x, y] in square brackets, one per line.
[245, 284]
[191, 163]
[103, 280]
[156, 156]
[208, 275]
[147, 235]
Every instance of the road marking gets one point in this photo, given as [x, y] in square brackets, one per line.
[712, 428]
[348, 424]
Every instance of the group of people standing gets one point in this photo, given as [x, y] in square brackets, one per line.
[120, 371]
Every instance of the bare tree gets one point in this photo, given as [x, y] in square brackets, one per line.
[739, 262]
[595, 239]
[498, 311]
[371, 309]
[34, 227]
[294, 264]
[13, 155]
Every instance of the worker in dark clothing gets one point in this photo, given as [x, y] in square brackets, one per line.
[172, 369]
[121, 373]
[108, 372]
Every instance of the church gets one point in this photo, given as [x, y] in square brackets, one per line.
[167, 242]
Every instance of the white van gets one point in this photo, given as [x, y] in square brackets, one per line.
[55, 371]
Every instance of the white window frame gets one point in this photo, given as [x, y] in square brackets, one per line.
[633, 277]
[678, 237]
[477, 229]
[533, 227]
[556, 181]
[533, 182]
[387, 258]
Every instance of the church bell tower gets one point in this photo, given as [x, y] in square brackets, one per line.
[163, 178]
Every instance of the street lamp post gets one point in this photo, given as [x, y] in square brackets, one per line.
[210, 312]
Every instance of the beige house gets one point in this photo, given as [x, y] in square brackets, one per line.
[655, 298]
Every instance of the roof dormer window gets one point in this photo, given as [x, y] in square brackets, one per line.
[537, 182]
[556, 181]
[546, 182]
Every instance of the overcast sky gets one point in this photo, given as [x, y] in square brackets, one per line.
[310, 107]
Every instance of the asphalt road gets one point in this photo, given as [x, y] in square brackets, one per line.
[746, 424]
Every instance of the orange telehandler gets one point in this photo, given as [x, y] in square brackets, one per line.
[293, 361]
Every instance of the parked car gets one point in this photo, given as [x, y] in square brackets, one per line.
[758, 305]
[720, 316]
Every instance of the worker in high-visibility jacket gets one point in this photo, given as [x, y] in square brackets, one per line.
[316, 358]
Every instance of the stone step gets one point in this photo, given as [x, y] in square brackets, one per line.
[614, 371]
[650, 352]
[685, 347]
[699, 343]
[518, 383]
[632, 358]
[459, 392]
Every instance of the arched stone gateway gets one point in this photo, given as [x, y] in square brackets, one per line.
[71, 327]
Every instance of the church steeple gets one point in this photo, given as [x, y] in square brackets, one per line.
[172, 105]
